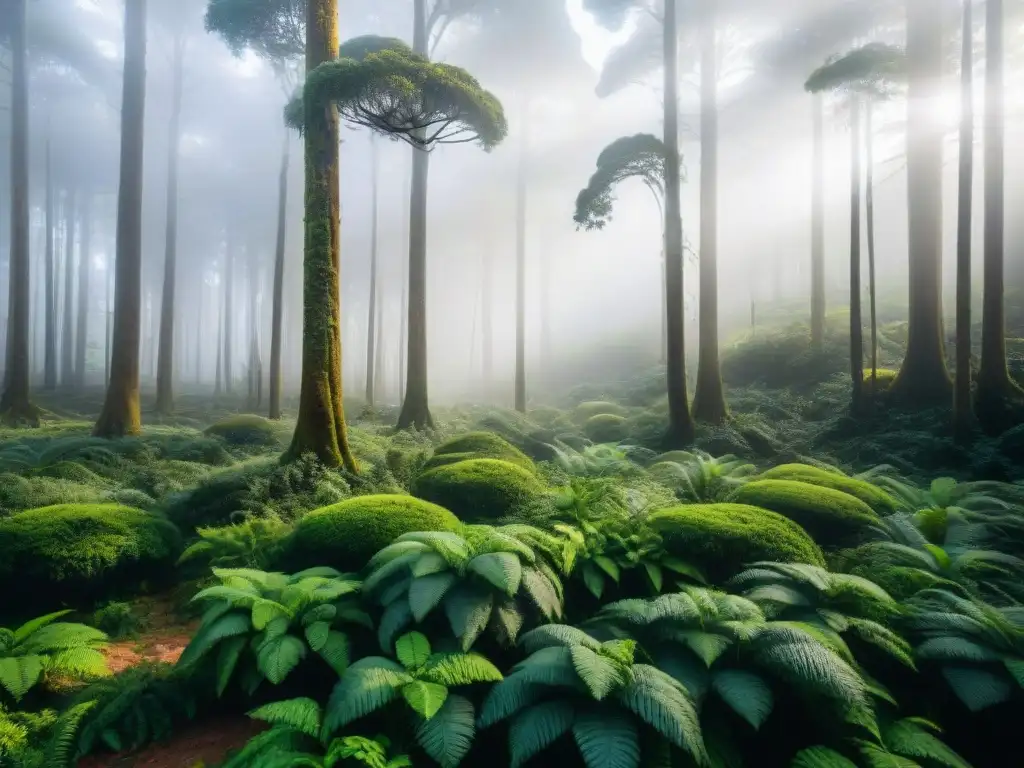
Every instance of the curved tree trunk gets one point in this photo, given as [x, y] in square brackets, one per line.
[924, 378]
[962, 414]
[818, 226]
[680, 429]
[520, 376]
[165, 362]
[709, 395]
[869, 203]
[15, 405]
[415, 405]
[120, 415]
[278, 308]
[67, 347]
[50, 355]
[994, 382]
[856, 322]
[84, 268]
[320, 428]
[371, 326]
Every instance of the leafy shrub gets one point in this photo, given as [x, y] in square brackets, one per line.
[880, 501]
[256, 543]
[723, 538]
[263, 624]
[22, 736]
[245, 429]
[129, 497]
[19, 493]
[699, 477]
[478, 445]
[79, 552]
[118, 620]
[586, 411]
[832, 517]
[220, 496]
[47, 647]
[348, 534]
[784, 358]
[480, 489]
[605, 428]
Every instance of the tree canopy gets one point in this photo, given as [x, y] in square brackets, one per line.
[872, 69]
[275, 30]
[641, 156]
[382, 84]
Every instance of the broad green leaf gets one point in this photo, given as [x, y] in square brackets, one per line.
[448, 735]
[978, 689]
[280, 656]
[26, 629]
[468, 610]
[302, 714]
[397, 617]
[426, 593]
[593, 579]
[535, 729]
[319, 613]
[654, 576]
[265, 611]
[413, 650]
[460, 669]
[366, 686]
[609, 566]
[600, 674]
[335, 651]
[228, 625]
[424, 698]
[227, 659]
[606, 740]
[747, 695]
[911, 738]
[316, 634]
[820, 757]
[663, 704]
[450, 546]
[508, 620]
[502, 569]
[429, 563]
[18, 674]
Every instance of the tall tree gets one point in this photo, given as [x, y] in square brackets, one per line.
[277, 308]
[962, 414]
[524, 149]
[818, 224]
[165, 361]
[67, 349]
[16, 406]
[50, 341]
[120, 415]
[228, 274]
[84, 268]
[371, 320]
[995, 387]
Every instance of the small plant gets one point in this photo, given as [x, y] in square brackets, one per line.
[22, 736]
[701, 478]
[255, 543]
[118, 620]
[45, 647]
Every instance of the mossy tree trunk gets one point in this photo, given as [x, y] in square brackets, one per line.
[50, 341]
[278, 307]
[67, 346]
[923, 378]
[165, 361]
[856, 322]
[520, 373]
[371, 326]
[680, 429]
[84, 269]
[15, 405]
[818, 225]
[962, 413]
[869, 204]
[709, 395]
[994, 383]
[120, 415]
[320, 428]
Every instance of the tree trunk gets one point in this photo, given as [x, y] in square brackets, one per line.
[165, 363]
[856, 329]
[320, 428]
[50, 365]
[108, 279]
[545, 317]
[415, 406]
[869, 182]
[379, 381]
[199, 332]
[994, 383]
[229, 290]
[818, 226]
[403, 310]
[520, 380]
[924, 378]
[487, 321]
[120, 415]
[709, 396]
[67, 347]
[680, 429]
[84, 268]
[371, 328]
[278, 308]
[962, 414]
[220, 351]
[15, 405]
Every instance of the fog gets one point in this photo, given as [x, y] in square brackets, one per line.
[598, 292]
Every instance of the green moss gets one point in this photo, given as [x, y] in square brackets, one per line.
[478, 445]
[480, 489]
[586, 411]
[605, 428]
[245, 429]
[75, 553]
[884, 378]
[880, 501]
[219, 497]
[348, 534]
[832, 517]
[20, 493]
[723, 538]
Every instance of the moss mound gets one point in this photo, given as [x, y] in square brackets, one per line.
[348, 534]
[75, 553]
[884, 377]
[723, 538]
[479, 489]
[832, 517]
[245, 429]
[606, 428]
[586, 411]
[478, 445]
[18, 493]
[880, 501]
[219, 497]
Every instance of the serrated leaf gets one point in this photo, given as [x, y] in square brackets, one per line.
[468, 611]
[448, 735]
[335, 651]
[606, 740]
[316, 634]
[427, 592]
[396, 618]
[227, 659]
[413, 650]
[820, 757]
[502, 569]
[609, 566]
[747, 695]
[978, 689]
[426, 699]
[460, 669]
[302, 714]
[18, 674]
[593, 579]
[600, 674]
[280, 656]
[532, 731]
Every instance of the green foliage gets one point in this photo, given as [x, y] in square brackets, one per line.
[274, 29]
[261, 625]
[723, 538]
[18, 494]
[880, 501]
[75, 553]
[118, 620]
[45, 647]
[639, 157]
[484, 579]
[594, 461]
[23, 736]
[478, 445]
[784, 358]
[605, 428]
[480, 489]
[873, 69]
[245, 429]
[348, 534]
[257, 543]
[698, 477]
[832, 517]
[590, 408]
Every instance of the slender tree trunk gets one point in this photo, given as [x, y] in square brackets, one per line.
[165, 363]
[120, 415]
[487, 320]
[229, 290]
[199, 331]
[84, 268]
[220, 351]
[962, 414]
[545, 316]
[108, 279]
[403, 310]
[818, 226]
[681, 429]
[371, 328]
[869, 137]
[15, 405]
[415, 406]
[520, 380]
[67, 347]
[994, 383]
[379, 380]
[856, 322]
[924, 378]
[50, 365]
[320, 428]
[278, 308]
[709, 395]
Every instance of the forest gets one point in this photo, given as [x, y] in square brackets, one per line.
[439, 383]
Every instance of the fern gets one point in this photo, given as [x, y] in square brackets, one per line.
[255, 543]
[47, 647]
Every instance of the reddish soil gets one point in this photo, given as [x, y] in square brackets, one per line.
[163, 638]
